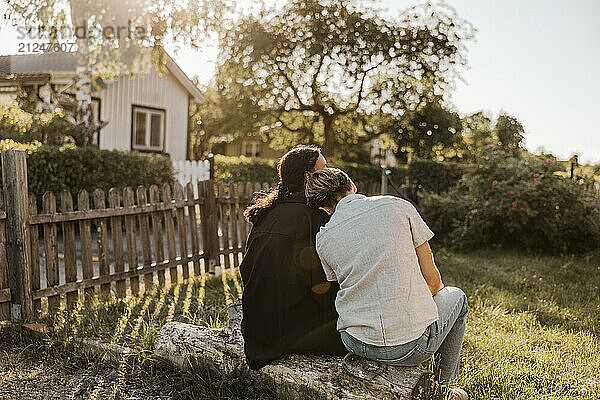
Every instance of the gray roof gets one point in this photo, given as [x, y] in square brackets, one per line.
[30, 65]
[42, 63]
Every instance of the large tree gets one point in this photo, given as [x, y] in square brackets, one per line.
[321, 71]
[431, 132]
[510, 133]
[115, 36]
[479, 132]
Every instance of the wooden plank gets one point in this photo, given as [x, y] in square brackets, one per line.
[85, 237]
[131, 239]
[101, 280]
[375, 188]
[212, 226]
[106, 213]
[51, 250]
[235, 219]
[249, 195]
[204, 225]
[181, 231]
[4, 283]
[69, 245]
[18, 246]
[34, 237]
[224, 224]
[226, 200]
[103, 248]
[257, 188]
[116, 228]
[157, 232]
[193, 225]
[170, 232]
[145, 237]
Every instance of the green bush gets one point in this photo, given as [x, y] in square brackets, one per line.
[435, 176]
[236, 169]
[425, 174]
[56, 169]
[245, 169]
[369, 172]
[51, 128]
[514, 202]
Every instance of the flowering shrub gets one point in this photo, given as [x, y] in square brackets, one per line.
[517, 202]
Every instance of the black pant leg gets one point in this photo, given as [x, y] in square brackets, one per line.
[323, 340]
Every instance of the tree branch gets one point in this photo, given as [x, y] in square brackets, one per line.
[360, 90]
[313, 84]
[289, 128]
[289, 81]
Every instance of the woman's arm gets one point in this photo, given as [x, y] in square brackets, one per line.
[428, 269]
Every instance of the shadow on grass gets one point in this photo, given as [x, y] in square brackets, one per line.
[533, 328]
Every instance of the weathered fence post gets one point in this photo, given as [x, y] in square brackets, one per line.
[18, 251]
[211, 168]
[210, 233]
[384, 180]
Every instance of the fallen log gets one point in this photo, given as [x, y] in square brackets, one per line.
[327, 375]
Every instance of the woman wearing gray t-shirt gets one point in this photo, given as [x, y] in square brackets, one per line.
[392, 304]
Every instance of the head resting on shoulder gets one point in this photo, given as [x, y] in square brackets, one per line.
[293, 168]
[325, 188]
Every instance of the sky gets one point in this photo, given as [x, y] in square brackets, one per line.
[537, 60]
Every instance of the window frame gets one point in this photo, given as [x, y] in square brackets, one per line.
[255, 145]
[146, 148]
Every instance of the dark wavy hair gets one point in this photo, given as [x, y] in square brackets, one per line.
[291, 169]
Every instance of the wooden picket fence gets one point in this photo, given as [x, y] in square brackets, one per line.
[4, 284]
[59, 252]
[112, 243]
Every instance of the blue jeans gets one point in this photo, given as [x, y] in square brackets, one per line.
[443, 338]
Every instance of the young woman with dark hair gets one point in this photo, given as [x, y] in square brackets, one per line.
[288, 305]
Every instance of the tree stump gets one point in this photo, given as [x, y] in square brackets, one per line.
[177, 340]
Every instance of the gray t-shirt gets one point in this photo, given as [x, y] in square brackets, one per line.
[368, 246]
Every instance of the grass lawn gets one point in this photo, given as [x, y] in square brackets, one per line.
[533, 333]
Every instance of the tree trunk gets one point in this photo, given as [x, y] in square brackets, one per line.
[326, 375]
[83, 80]
[329, 145]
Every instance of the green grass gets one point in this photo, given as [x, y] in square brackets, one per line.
[533, 325]
[135, 322]
[533, 332]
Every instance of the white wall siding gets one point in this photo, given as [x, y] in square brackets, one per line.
[152, 90]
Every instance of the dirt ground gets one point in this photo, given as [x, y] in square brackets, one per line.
[21, 378]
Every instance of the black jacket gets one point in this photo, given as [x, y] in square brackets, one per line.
[286, 295]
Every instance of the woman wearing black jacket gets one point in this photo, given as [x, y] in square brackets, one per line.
[288, 305]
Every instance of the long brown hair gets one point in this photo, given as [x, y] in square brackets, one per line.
[291, 169]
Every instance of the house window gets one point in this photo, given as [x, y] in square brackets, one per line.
[148, 129]
[251, 148]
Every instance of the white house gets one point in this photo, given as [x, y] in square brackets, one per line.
[147, 113]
